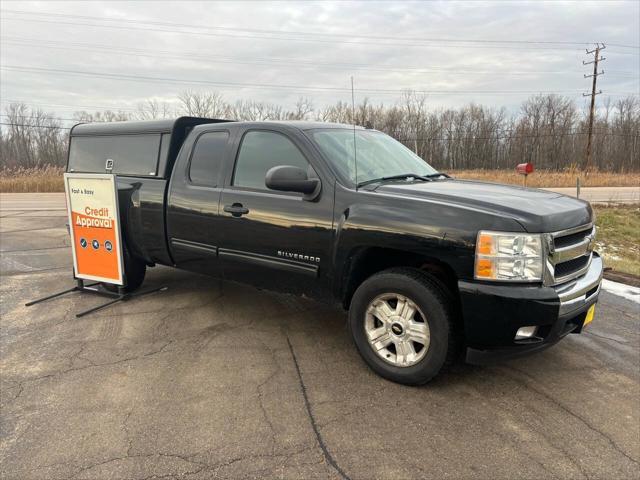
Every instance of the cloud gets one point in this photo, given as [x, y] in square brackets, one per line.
[384, 45]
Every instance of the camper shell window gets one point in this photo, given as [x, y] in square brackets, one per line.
[131, 154]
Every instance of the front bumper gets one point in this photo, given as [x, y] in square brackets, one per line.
[493, 314]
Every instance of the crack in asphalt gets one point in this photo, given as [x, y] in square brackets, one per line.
[325, 451]
[22, 383]
[616, 340]
[287, 456]
[551, 442]
[622, 312]
[202, 466]
[263, 409]
[564, 408]
[126, 432]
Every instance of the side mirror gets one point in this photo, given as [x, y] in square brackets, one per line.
[287, 178]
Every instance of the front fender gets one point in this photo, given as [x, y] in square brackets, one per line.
[423, 227]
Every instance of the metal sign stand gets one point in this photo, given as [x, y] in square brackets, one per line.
[98, 289]
[99, 279]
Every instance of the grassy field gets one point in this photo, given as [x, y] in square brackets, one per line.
[549, 178]
[618, 237]
[45, 179]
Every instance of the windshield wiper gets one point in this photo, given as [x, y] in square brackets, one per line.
[436, 175]
[395, 177]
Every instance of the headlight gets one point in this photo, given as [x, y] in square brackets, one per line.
[508, 256]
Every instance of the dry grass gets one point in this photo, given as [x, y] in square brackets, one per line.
[550, 178]
[49, 179]
[44, 179]
[618, 237]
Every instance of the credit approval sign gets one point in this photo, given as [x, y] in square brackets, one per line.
[92, 206]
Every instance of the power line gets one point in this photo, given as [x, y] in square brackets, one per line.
[97, 107]
[35, 126]
[430, 40]
[289, 39]
[514, 137]
[31, 117]
[637, 47]
[143, 78]
[137, 52]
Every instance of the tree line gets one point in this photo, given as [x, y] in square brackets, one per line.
[547, 130]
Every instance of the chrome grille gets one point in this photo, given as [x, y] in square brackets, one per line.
[569, 253]
[571, 266]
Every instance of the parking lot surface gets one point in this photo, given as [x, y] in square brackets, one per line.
[212, 379]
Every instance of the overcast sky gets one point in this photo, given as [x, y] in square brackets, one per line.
[69, 56]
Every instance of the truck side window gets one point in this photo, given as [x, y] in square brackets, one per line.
[206, 159]
[261, 151]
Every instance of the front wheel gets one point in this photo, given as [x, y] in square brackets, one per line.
[402, 325]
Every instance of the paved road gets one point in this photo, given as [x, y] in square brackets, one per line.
[604, 194]
[31, 201]
[212, 379]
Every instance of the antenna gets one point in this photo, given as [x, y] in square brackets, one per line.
[353, 119]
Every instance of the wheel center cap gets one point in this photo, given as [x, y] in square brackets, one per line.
[397, 329]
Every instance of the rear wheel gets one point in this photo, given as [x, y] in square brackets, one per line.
[401, 322]
[134, 270]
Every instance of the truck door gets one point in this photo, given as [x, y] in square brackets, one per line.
[275, 240]
[193, 222]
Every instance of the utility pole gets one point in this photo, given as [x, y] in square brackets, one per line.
[592, 111]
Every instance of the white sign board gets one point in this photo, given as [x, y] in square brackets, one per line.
[92, 206]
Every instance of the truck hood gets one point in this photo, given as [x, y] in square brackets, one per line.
[536, 210]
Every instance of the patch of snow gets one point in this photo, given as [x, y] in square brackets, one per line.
[622, 290]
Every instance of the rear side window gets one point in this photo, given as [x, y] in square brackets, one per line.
[206, 159]
[261, 151]
[131, 154]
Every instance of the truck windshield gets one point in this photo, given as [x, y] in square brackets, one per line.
[378, 155]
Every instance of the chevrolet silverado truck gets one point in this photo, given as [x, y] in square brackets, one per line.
[428, 267]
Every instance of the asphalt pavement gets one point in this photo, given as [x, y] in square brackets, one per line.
[212, 379]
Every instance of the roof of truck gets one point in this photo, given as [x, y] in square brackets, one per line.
[307, 125]
[143, 126]
[167, 125]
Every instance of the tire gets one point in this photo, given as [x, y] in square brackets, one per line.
[405, 347]
[134, 270]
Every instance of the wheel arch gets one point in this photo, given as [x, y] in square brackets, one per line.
[367, 261]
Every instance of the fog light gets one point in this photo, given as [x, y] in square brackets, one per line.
[526, 332]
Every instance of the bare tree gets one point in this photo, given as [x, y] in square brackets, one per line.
[549, 130]
[210, 105]
[153, 109]
[32, 138]
[105, 116]
[303, 109]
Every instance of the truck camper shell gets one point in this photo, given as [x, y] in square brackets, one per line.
[141, 149]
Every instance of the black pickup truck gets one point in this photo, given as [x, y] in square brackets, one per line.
[428, 266]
